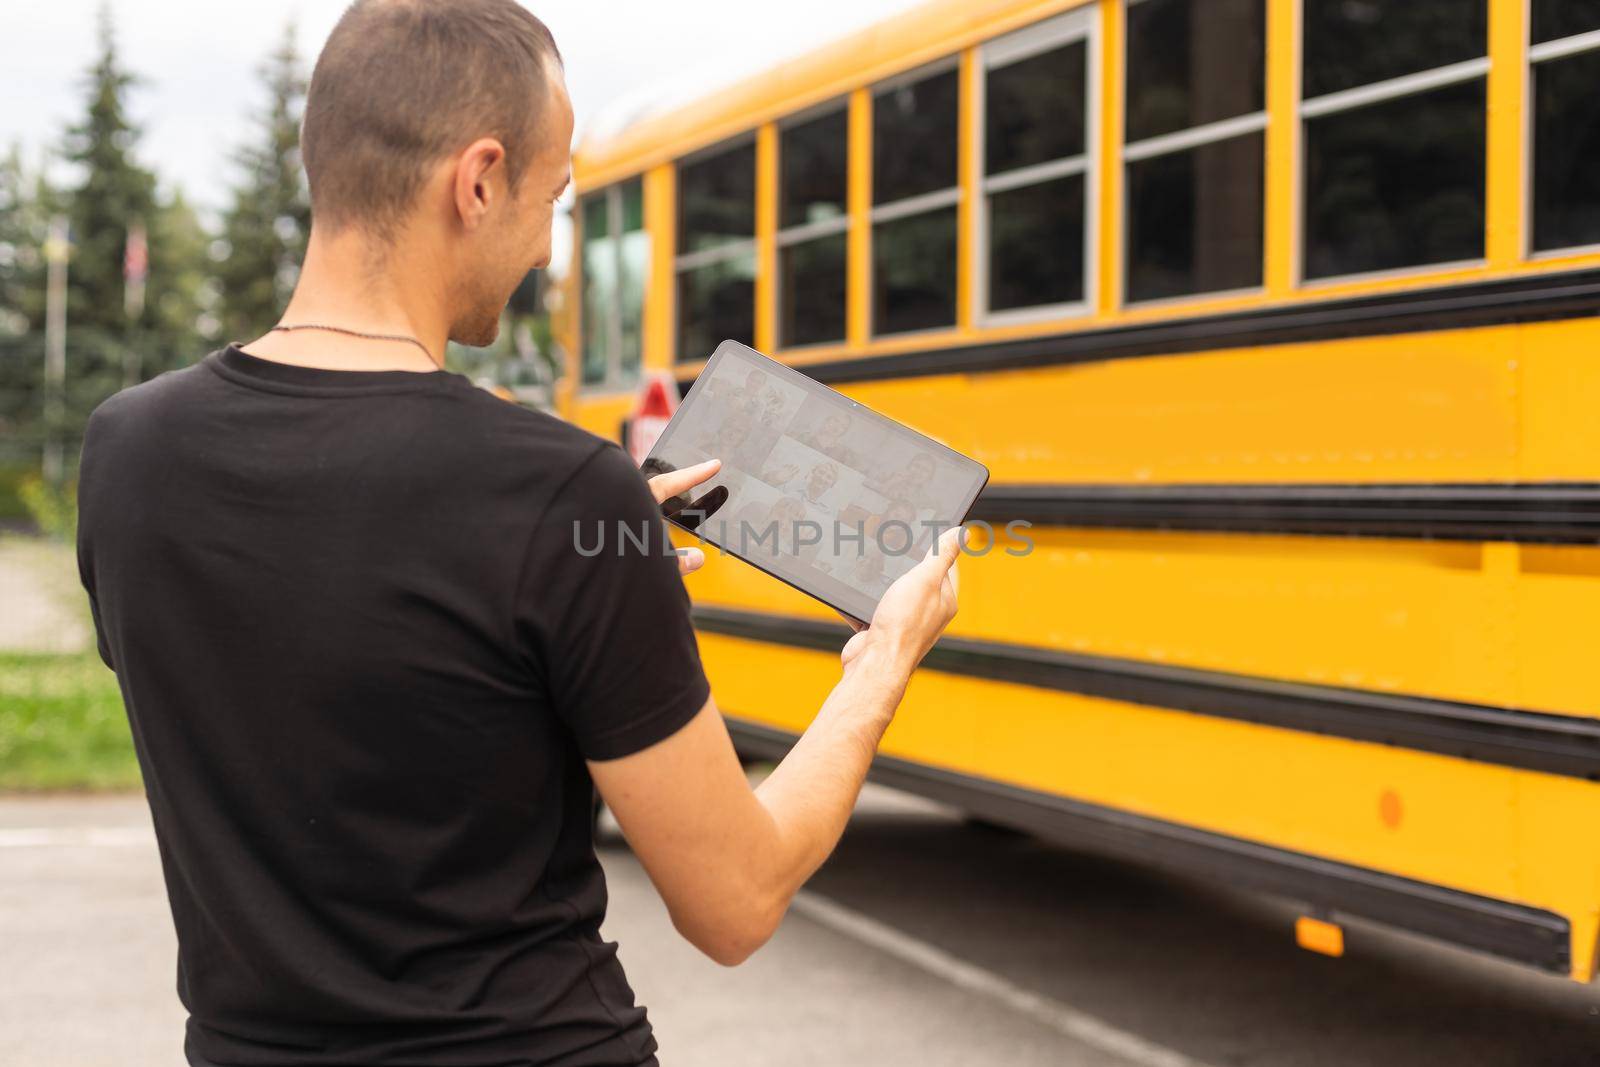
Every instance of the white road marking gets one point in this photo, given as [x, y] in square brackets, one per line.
[77, 836]
[1094, 1032]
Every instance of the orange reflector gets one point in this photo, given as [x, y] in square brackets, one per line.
[1314, 935]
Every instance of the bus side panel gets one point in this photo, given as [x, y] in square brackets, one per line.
[1420, 618]
[1492, 831]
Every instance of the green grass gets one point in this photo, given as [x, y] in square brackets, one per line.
[62, 725]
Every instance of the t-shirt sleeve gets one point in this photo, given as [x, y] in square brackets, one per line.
[606, 613]
[87, 466]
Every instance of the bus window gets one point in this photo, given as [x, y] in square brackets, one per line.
[1195, 86]
[914, 194]
[616, 251]
[1035, 161]
[1565, 58]
[1556, 19]
[813, 216]
[716, 260]
[599, 286]
[633, 261]
[1358, 44]
[1394, 116]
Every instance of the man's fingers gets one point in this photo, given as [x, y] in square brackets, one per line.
[666, 486]
[942, 556]
[952, 576]
[690, 560]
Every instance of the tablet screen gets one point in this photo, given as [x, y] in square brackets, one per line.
[815, 489]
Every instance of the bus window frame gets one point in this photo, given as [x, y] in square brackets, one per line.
[1308, 109]
[786, 237]
[617, 378]
[1534, 54]
[705, 257]
[1079, 24]
[910, 206]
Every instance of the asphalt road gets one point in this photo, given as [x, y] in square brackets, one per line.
[923, 941]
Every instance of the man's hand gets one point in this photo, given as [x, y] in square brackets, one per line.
[675, 483]
[916, 607]
[727, 860]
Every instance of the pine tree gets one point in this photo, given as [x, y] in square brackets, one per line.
[179, 298]
[265, 229]
[114, 193]
[26, 203]
[111, 344]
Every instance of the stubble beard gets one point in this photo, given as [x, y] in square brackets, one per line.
[479, 330]
[480, 325]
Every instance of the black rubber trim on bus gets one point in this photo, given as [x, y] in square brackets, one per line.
[1528, 740]
[1542, 297]
[1510, 931]
[1531, 512]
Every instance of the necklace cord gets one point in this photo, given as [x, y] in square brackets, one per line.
[290, 328]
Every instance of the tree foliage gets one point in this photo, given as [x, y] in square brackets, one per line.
[110, 341]
[26, 203]
[265, 229]
[113, 194]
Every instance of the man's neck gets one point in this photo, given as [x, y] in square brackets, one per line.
[348, 283]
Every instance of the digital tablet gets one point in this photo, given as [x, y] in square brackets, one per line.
[815, 489]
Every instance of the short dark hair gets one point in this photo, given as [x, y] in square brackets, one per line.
[401, 83]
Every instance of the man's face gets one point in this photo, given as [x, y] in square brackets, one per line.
[822, 478]
[517, 239]
[788, 509]
[734, 431]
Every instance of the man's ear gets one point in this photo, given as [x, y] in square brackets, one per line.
[478, 180]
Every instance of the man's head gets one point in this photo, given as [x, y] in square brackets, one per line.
[822, 478]
[443, 124]
[834, 427]
[920, 470]
[735, 429]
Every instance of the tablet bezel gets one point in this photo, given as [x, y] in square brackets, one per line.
[811, 387]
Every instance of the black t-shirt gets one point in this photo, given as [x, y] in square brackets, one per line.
[366, 644]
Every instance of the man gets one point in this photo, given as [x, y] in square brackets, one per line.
[811, 485]
[372, 683]
[748, 395]
[911, 483]
[828, 437]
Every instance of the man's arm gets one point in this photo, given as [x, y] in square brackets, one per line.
[727, 859]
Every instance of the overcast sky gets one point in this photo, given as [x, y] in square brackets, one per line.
[198, 62]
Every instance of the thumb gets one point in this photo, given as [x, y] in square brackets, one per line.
[942, 556]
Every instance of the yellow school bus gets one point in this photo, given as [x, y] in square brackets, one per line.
[1276, 320]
